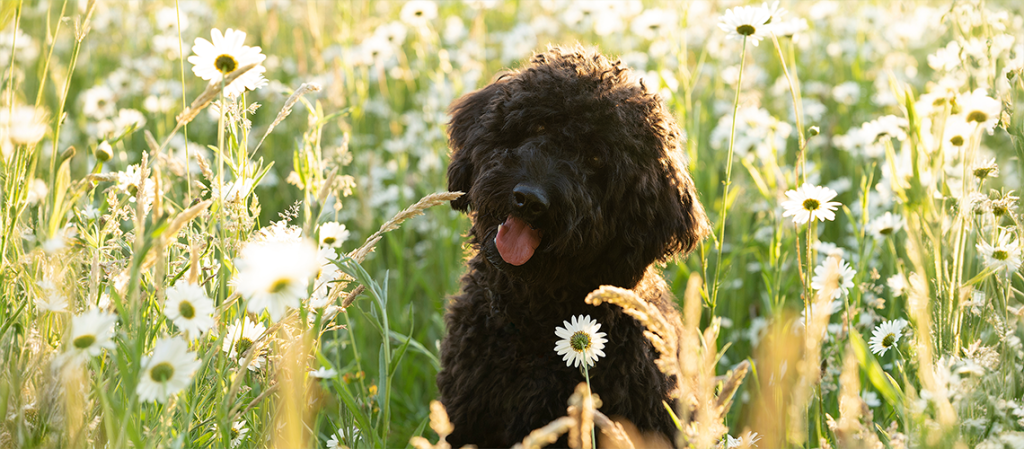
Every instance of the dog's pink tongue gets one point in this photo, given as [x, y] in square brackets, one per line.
[516, 241]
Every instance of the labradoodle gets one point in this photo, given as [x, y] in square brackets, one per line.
[575, 177]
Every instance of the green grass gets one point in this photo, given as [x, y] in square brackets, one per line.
[378, 130]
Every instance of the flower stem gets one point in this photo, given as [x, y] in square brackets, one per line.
[798, 112]
[590, 394]
[184, 103]
[728, 175]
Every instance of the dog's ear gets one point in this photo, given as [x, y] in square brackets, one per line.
[676, 221]
[466, 130]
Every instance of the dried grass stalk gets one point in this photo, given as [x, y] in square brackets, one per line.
[614, 434]
[172, 230]
[352, 296]
[440, 423]
[919, 311]
[287, 109]
[659, 332]
[581, 408]
[193, 270]
[204, 99]
[809, 366]
[689, 357]
[547, 434]
[779, 348]
[850, 433]
[367, 247]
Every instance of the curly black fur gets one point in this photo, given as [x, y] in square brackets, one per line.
[608, 158]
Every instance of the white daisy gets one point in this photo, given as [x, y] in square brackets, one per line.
[167, 371]
[652, 23]
[273, 276]
[91, 332]
[748, 439]
[789, 27]
[986, 169]
[1004, 255]
[338, 439]
[241, 336]
[325, 279]
[580, 341]
[334, 442]
[886, 225]
[775, 12]
[189, 308]
[870, 398]
[833, 275]
[24, 125]
[213, 60]
[50, 298]
[957, 132]
[333, 234]
[897, 283]
[234, 191]
[746, 22]
[238, 433]
[810, 202]
[418, 13]
[816, 309]
[886, 335]
[324, 373]
[979, 108]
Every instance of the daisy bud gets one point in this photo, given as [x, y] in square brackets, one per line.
[814, 131]
[68, 153]
[103, 151]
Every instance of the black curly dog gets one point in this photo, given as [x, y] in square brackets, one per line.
[575, 177]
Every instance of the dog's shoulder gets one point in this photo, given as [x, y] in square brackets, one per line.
[653, 289]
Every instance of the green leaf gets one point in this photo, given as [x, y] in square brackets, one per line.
[397, 356]
[357, 412]
[418, 347]
[876, 375]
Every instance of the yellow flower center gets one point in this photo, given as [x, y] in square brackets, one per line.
[1000, 254]
[162, 372]
[811, 204]
[329, 239]
[889, 340]
[243, 344]
[186, 310]
[977, 116]
[84, 341]
[225, 64]
[279, 285]
[746, 30]
[983, 172]
[580, 341]
[957, 140]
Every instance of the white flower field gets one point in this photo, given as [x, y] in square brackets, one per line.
[226, 224]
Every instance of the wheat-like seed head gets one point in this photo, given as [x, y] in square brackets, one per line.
[204, 99]
[546, 435]
[661, 335]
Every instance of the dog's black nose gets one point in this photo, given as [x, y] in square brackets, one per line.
[529, 201]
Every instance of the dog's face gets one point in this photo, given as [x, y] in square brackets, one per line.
[570, 166]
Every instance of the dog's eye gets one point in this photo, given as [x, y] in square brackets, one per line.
[596, 161]
[538, 129]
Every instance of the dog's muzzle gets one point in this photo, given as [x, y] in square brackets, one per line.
[517, 238]
[529, 202]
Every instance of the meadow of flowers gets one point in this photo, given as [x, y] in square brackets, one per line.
[218, 223]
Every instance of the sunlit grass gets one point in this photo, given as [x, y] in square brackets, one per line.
[124, 174]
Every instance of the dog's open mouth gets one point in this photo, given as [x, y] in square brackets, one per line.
[516, 241]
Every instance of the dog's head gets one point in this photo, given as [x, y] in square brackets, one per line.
[570, 166]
